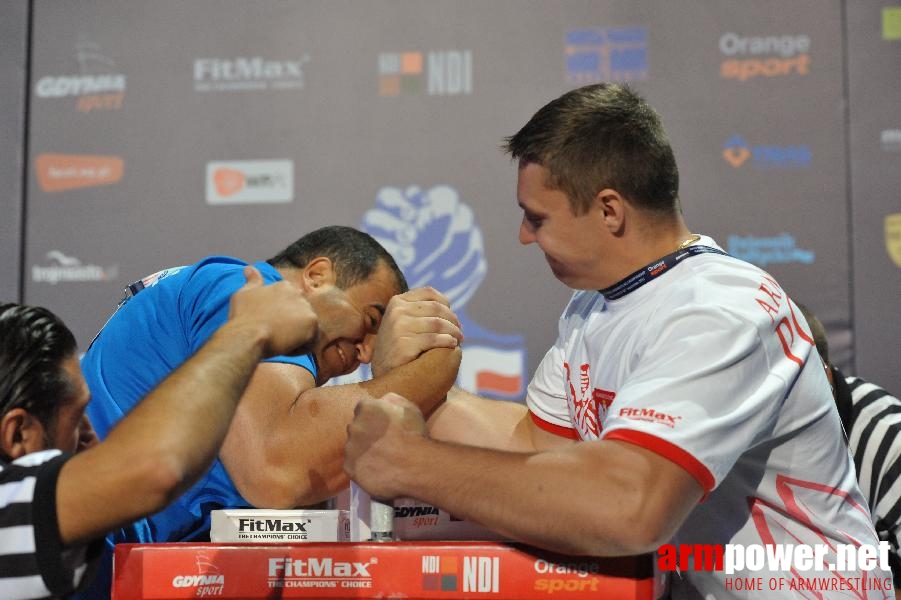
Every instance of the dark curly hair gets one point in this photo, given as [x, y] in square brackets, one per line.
[33, 344]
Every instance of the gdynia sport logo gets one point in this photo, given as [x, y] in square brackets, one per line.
[811, 567]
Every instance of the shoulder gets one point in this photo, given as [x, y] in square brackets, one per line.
[213, 276]
[215, 266]
[31, 476]
[30, 461]
[722, 283]
[866, 393]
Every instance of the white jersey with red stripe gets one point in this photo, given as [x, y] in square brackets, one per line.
[707, 365]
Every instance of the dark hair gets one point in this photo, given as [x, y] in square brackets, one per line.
[355, 255]
[818, 331]
[601, 136]
[33, 344]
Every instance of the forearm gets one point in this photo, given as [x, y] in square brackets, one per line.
[166, 441]
[469, 419]
[570, 500]
[424, 381]
[300, 459]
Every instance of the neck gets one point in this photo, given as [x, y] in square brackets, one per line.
[647, 243]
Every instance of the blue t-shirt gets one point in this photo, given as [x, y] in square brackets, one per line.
[150, 335]
[146, 339]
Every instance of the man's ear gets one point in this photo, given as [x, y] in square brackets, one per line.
[319, 272]
[21, 433]
[610, 207]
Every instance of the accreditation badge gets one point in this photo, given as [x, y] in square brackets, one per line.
[893, 237]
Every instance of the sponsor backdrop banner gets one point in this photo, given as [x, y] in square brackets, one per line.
[874, 56]
[159, 135]
[13, 58]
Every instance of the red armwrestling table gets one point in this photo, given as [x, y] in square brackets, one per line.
[375, 570]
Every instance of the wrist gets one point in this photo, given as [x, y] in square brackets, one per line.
[412, 472]
[244, 337]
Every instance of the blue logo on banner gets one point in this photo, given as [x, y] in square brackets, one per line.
[435, 240]
[737, 152]
[606, 54]
[763, 251]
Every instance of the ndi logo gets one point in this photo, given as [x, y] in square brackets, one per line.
[763, 251]
[606, 54]
[737, 151]
[436, 73]
[481, 574]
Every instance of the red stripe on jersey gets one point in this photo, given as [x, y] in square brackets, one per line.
[567, 432]
[668, 451]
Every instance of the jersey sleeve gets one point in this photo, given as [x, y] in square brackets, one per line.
[705, 390]
[546, 399]
[205, 301]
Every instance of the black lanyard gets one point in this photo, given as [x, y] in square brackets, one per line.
[654, 270]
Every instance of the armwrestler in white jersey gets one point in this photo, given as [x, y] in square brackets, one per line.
[681, 402]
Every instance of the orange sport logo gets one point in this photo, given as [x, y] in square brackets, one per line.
[62, 172]
[766, 56]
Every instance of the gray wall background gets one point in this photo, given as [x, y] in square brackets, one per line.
[783, 114]
[13, 64]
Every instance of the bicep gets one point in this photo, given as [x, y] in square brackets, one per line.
[666, 492]
[264, 429]
[637, 499]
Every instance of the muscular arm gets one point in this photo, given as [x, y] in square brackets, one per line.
[599, 498]
[170, 438]
[475, 421]
[286, 445]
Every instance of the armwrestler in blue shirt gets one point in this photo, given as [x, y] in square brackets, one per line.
[284, 448]
[145, 342]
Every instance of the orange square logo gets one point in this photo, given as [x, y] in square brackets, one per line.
[389, 85]
[411, 63]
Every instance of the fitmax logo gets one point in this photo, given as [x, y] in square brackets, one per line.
[650, 415]
[317, 567]
[269, 525]
[737, 152]
[248, 73]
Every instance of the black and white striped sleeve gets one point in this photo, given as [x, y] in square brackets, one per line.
[33, 561]
[875, 441]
